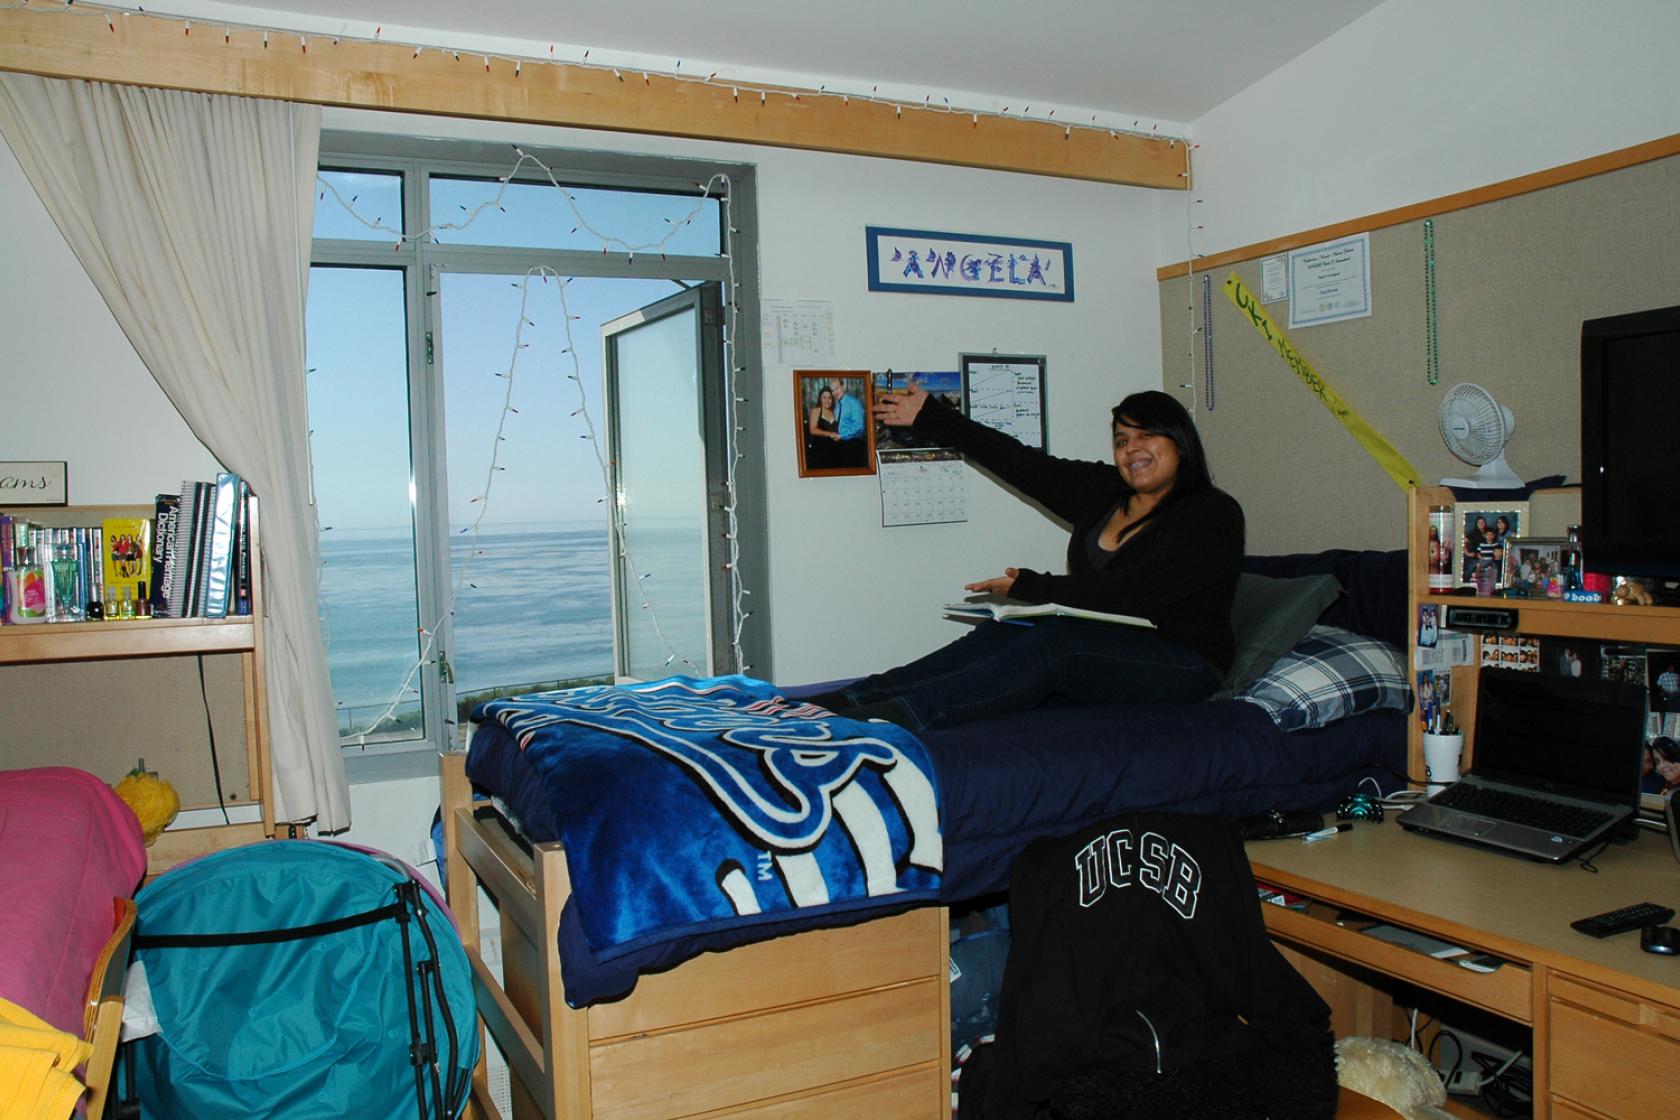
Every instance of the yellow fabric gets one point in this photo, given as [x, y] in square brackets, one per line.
[37, 1067]
[1396, 465]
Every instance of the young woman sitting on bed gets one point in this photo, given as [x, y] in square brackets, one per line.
[1151, 537]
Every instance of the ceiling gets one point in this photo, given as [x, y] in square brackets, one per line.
[1161, 60]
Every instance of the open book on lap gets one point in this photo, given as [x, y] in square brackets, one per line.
[1007, 612]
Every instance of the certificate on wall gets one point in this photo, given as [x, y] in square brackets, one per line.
[1330, 282]
[1006, 392]
[922, 486]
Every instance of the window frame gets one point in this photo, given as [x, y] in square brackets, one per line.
[416, 161]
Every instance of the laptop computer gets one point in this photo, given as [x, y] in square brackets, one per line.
[1556, 767]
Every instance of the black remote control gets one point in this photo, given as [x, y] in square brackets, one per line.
[1621, 921]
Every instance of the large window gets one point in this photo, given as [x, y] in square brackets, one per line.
[523, 372]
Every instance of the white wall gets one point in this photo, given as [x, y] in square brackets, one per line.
[73, 387]
[1425, 98]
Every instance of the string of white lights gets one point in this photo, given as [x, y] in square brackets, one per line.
[1191, 228]
[112, 12]
[718, 186]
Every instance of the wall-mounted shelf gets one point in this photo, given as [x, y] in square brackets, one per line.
[52, 646]
[149, 637]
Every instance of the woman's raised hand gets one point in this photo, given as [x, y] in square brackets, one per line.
[899, 409]
[997, 585]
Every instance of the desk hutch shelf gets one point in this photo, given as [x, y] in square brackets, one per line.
[47, 658]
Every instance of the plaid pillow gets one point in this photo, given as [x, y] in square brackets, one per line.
[1329, 675]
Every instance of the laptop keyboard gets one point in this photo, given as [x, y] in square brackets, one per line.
[1517, 808]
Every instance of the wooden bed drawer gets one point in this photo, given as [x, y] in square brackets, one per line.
[918, 1093]
[788, 970]
[735, 1062]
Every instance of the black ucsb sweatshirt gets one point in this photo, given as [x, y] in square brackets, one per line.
[1179, 570]
[1138, 943]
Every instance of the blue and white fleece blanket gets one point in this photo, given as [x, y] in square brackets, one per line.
[689, 806]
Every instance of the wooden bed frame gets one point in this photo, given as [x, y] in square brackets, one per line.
[834, 1022]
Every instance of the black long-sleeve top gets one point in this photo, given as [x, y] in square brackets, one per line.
[1178, 569]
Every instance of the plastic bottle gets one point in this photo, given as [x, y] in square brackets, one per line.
[26, 596]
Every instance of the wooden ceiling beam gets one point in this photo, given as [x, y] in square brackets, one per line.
[151, 50]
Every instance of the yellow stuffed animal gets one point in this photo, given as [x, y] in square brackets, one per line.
[153, 800]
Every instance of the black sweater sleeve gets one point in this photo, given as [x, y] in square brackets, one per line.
[1061, 486]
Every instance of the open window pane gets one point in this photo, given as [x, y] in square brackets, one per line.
[359, 441]
[654, 368]
[542, 216]
[533, 588]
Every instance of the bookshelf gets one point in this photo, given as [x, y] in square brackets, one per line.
[1545, 618]
[99, 695]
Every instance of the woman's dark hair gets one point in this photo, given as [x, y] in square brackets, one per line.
[1665, 748]
[1161, 414]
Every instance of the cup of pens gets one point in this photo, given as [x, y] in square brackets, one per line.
[1441, 753]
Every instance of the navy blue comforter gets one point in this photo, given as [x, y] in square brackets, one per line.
[1001, 783]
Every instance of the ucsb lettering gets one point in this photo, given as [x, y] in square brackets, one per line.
[1150, 861]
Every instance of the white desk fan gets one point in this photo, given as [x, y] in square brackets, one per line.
[1476, 428]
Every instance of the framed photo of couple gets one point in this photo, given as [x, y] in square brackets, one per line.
[834, 429]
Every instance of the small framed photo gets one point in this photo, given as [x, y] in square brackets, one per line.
[34, 483]
[1483, 530]
[1534, 567]
[944, 384]
[833, 424]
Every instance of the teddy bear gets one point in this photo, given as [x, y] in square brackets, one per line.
[1393, 1073]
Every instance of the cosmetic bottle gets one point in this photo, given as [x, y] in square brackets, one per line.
[26, 595]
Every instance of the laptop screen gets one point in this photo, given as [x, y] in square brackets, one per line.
[1565, 735]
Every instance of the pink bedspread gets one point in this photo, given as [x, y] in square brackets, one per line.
[68, 846]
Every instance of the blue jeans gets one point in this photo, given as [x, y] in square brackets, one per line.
[1005, 667]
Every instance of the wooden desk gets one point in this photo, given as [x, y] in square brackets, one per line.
[1605, 1015]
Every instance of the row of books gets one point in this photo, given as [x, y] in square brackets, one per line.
[201, 550]
[48, 574]
[191, 559]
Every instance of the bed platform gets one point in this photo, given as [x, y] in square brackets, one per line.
[849, 1021]
[815, 1012]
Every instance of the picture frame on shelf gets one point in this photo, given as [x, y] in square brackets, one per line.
[1483, 529]
[833, 429]
[1534, 567]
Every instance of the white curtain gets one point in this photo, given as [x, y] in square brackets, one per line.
[192, 214]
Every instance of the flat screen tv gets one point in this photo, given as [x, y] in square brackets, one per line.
[1630, 443]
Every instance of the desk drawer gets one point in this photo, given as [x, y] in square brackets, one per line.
[1615, 1058]
[1507, 991]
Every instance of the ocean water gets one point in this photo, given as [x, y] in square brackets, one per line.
[534, 606]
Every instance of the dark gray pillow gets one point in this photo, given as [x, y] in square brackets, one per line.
[1269, 617]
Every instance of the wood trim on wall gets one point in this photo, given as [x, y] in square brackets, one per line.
[1510, 188]
[150, 50]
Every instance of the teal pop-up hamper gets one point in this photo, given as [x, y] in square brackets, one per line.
[302, 979]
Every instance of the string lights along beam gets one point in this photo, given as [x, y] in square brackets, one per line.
[105, 44]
